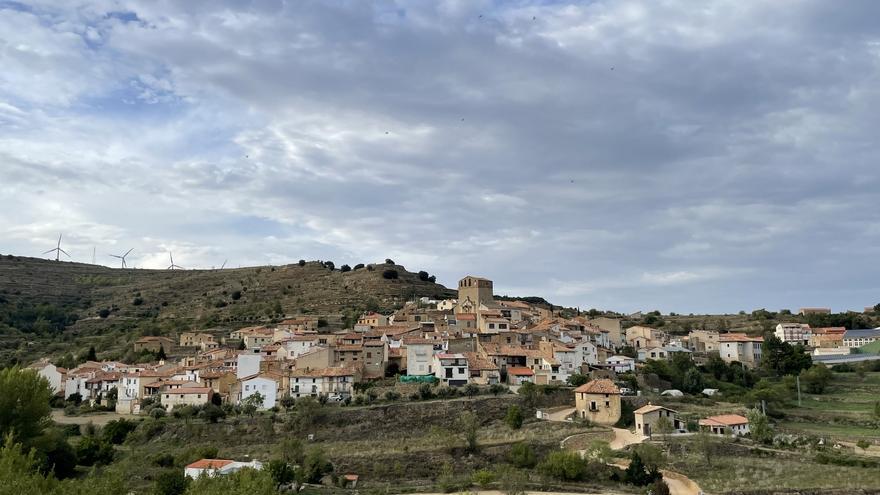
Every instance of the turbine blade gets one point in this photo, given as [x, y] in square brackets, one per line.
[65, 252]
[49, 251]
[126, 253]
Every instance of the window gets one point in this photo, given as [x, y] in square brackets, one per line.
[593, 406]
[448, 372]
[461, 371]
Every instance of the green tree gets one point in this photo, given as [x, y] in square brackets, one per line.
[315, 465]
[759, 427]
[91, 355]
[170, 482]
[707, 445]
[564, 465]
[292, 450]
[251, 403]
[815, 379]
[693, 382]
[521, 455]
[529, 391]
[280, 471]
[514, 417]
[161, 354]
[244, 482]
[577, 379]
[115, 431]
[24, 403]
[470, 427]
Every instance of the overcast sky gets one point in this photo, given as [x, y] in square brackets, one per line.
[674, 155]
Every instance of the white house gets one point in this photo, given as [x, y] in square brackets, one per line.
[451, 369]
[326, 381]
[621, 364]
[586, 353]
[795, 333]
[660, 353]
[54, 375]
[265, 383]
[248, 364]
[215, 467]
[721, 425]
[739, 347]
[419, 356]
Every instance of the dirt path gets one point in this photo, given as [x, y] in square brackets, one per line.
[624, 437]
[558, 413]
[678, 483]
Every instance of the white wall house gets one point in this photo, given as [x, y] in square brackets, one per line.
[732, 424]
[794, 333]
[264, 384]
[419, 356]
[247, 365]
[52, 374]
[621, 364]
[451, 369]
[218, 467]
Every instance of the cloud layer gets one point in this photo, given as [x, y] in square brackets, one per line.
[613, 154]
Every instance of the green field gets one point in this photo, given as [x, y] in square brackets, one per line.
[843, 412]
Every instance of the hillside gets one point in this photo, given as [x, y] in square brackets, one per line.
[73, 300]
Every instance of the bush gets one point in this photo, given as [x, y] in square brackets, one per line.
[390, 274]
[423, 276]
[93, 450]
[344, 268]
[470, 390]
[564, 466]
[280, 471]
[514, 417]
[391, 396]
[521, 455]
[358, 266]
[116, 431]
[425, 391]
[497, 389]
[137, 301]
[483, 478]
[389, 261]
[236, 295]
[212, 413]
[104, 313]
[172, 482]
[302, 263]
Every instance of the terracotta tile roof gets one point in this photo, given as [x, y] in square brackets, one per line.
[318, 372]
[209, 464]
[601, 386]
[519, 371]
[650, 408]
[188, 390]
[466, 316]
[478, 363]
[724, 420]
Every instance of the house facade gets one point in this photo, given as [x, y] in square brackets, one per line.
[598, 401]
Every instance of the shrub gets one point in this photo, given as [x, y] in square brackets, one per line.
[104, 313]
[171, 482]
[423, 275]
[302, 263]
[514, 417]
[483, 477]
[329, 265]
[564, 465]
[344, 268]
[116, 431]
[236, 295]
[497, 389]
[358, 266]
[137, 301]
[521, 455]
[390, 274]
[389, 261]
[93, 450]
[392, 395]
[425, 391]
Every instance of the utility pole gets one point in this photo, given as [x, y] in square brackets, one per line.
[764, 407]
[798, 379]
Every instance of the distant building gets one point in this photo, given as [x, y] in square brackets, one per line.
[793, 333]
[740, 348]
[647, 417]
[472, 292]
[215, 467]
[598, 401]
[451, 369]
[732, 424]
[860, 337]
[703, 341]
[814, 311]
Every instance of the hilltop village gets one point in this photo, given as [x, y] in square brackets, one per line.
[592, 377]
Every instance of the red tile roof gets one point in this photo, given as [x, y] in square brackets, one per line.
[519, 371]
[601, 386]
[209, 464]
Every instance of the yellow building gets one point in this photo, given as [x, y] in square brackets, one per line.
[186, 396]
[598, 401]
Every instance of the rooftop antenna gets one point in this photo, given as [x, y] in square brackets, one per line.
[172, 266]
[122, 257]
[57, 250]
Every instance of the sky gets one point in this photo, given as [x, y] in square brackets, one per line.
[710, 156]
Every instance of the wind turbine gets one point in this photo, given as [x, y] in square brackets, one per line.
[172, 266]
[122, 257]
[224, 264]
[57, 250]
